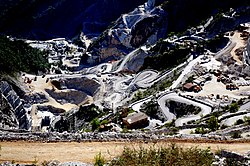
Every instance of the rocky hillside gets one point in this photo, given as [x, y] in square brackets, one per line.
[42, 20]
[146, 24]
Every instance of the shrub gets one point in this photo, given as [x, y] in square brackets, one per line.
[200, 130]
[234, 107]
[239, 121]
[171, 155]
[104, 122]
[247, 120]
[213, 123]
[95, 124]
[99, 160]
[236, 135]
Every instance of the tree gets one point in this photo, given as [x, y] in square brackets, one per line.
[234, 107]
[151, 108]
[200, 130]
[16, 56]
[213, 123]
[95, 124]
[247, 120]
[239, 121]
[236, 135]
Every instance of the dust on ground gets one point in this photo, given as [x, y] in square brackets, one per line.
[32, 152]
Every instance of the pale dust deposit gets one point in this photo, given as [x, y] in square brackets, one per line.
[30, 152]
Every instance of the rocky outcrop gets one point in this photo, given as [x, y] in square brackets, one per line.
[85, 84]
[74, 90]
[103, 136]
[143, 25]
[247, 53]
[88, 85]
[224, 158]
[136, 62]
[49, 108]
[7, 116]
[36, 98]
[68, 96]
[12, 109]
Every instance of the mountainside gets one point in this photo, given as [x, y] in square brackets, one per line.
[125, 70]
[145, 25]
[43, 20]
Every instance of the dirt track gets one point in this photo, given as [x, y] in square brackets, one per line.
[29, 152]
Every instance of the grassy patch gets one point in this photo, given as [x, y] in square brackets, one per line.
[99, 160]
[171, 155]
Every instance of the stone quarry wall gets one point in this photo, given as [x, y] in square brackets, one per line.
[248, 51]
[12, 108]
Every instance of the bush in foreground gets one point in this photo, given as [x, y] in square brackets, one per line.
[171, 155]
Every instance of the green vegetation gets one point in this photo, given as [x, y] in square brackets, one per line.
[35, 161]
[16, 56]
[88, 113]
[234, 107]
[95, 123]
[236, 135]
[165, 56]
[99, 160]
[151, 109]
[239, 121]
[170, 124]
[181, 109]
[247, 120]
[171, 155]
[197, 10]
[159, 86]
[138, 96]
[201, 130]
[213, 123]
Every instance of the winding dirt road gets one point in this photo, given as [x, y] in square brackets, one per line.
[30, 152]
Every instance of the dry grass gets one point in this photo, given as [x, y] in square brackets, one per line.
[27, 152]
[170, 155]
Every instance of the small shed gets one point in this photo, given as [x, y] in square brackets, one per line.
[136, 120]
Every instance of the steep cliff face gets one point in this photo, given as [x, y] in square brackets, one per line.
[7, 116]
[12, 110]
[43, 20]
[145, 24]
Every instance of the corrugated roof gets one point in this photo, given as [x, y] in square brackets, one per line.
[132, 118]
